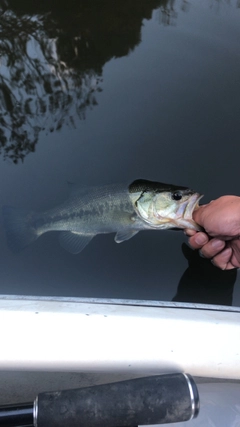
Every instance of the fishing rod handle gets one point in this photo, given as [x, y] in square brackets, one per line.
[150, 400]
[16, 415]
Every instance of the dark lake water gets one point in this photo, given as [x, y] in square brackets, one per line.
[98, 92]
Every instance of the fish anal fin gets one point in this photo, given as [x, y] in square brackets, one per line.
[121, 236]
[74, 242]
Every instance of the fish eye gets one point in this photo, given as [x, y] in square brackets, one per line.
[177, 195]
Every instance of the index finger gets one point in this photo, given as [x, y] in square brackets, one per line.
[189, 232]
[198, 240]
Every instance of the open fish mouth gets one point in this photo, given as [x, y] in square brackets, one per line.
[193, 203]
[184, 215]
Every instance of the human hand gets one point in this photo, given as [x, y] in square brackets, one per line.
[220, 239]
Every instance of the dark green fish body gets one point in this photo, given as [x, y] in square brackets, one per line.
[122, 209]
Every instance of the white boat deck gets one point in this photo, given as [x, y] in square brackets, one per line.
[60, 343]
[146, 337]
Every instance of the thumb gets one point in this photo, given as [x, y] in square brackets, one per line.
[197, 214]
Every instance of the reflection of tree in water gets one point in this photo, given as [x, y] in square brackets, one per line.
[218, 3]
[168, 8]
[51, 62]
[52, 55]
[37, 90]
[168, 12]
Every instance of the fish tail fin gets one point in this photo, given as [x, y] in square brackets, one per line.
[19, 229]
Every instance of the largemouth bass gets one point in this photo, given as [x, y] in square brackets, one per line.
[121, 209]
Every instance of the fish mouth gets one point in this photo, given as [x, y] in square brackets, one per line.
[184, 217]
[180, 217]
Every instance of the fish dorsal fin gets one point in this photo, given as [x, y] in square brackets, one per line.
[74, 242]
[124, 235]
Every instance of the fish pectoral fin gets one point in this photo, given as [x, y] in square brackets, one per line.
[124, 235]
[74, 242]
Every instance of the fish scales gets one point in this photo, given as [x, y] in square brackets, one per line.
[103, 213]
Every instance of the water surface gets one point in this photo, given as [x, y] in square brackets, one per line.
[105, 92]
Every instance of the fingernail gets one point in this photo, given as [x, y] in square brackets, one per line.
[217, 244]
[201, 254]
[227, 252]
[201, 239]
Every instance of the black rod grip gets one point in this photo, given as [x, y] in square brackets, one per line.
[16, 415]
[150, 400]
